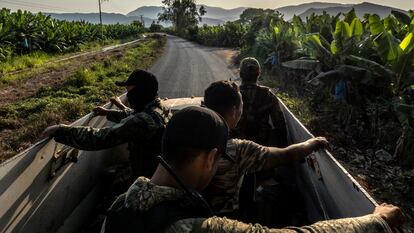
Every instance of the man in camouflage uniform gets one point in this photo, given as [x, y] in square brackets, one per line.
[262, 120]
[141, 126]
[244, 156]
[193, 143]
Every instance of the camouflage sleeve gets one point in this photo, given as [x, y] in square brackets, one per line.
[250, 156]
[365, 224]
[118, 115]
[86, 138]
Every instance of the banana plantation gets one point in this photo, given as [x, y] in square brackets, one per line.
[23, 32]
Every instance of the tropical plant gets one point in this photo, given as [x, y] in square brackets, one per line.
[279, 39]
[230, 34]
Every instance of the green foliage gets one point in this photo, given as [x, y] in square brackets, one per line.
[182, 13]
[23, 32]
[280, 39]
[230, 34]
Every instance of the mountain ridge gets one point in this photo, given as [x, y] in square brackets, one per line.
[218, 15]
[290, 10]
[360, 10]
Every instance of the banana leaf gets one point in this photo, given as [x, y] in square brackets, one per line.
[405, 112]
[370, 65]
[302, 64]
[328, 78]
[387, 45]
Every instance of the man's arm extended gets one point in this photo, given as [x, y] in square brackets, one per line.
[87, 138]
[294, 153]
[382, 220]
[118, 115]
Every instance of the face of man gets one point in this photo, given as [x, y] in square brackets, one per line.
[209, 168]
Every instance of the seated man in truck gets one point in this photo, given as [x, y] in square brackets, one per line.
[245, 156]
[142, 129]
[193, 144]
[262, 120]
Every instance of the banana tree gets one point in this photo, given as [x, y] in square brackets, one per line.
[398, 55]
[279, 39]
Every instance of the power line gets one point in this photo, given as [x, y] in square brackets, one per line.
[20, 3]
[45, 5]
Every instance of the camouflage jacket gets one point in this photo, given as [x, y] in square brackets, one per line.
[143, 195]
[118, 115]
[262, 120]
[142, 131]
[244, 157]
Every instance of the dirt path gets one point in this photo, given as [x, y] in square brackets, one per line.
[52, 77]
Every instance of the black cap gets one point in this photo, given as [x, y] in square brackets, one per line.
[197, 128]
[140, 78]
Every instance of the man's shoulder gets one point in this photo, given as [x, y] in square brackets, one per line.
[149, 114]
[158, 108]
[237, 146]
[267, 91]
[263, 93]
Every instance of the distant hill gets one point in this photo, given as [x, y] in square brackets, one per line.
[224, 14]
[360, 10]
[217, 13]
[107, 18]
[110, 18]
[146, 11]
[290, 11]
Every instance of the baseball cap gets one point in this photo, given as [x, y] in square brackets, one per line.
[249, 65]
[195, 127]
[140, 77]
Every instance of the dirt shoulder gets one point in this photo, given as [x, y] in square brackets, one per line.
[53, 75]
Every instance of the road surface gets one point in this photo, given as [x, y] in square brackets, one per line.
[186, 69]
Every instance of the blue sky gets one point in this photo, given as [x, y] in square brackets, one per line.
[125, 6]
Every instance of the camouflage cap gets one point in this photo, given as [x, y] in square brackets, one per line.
[249, 65]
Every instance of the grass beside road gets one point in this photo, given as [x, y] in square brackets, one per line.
[39, 58]
[21, 122]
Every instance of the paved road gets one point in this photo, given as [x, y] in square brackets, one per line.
[186, 69]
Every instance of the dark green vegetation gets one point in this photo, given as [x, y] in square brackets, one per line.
[23, 33]
[21, 122]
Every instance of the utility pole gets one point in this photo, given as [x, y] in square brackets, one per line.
[142, 20]
[100, 12]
